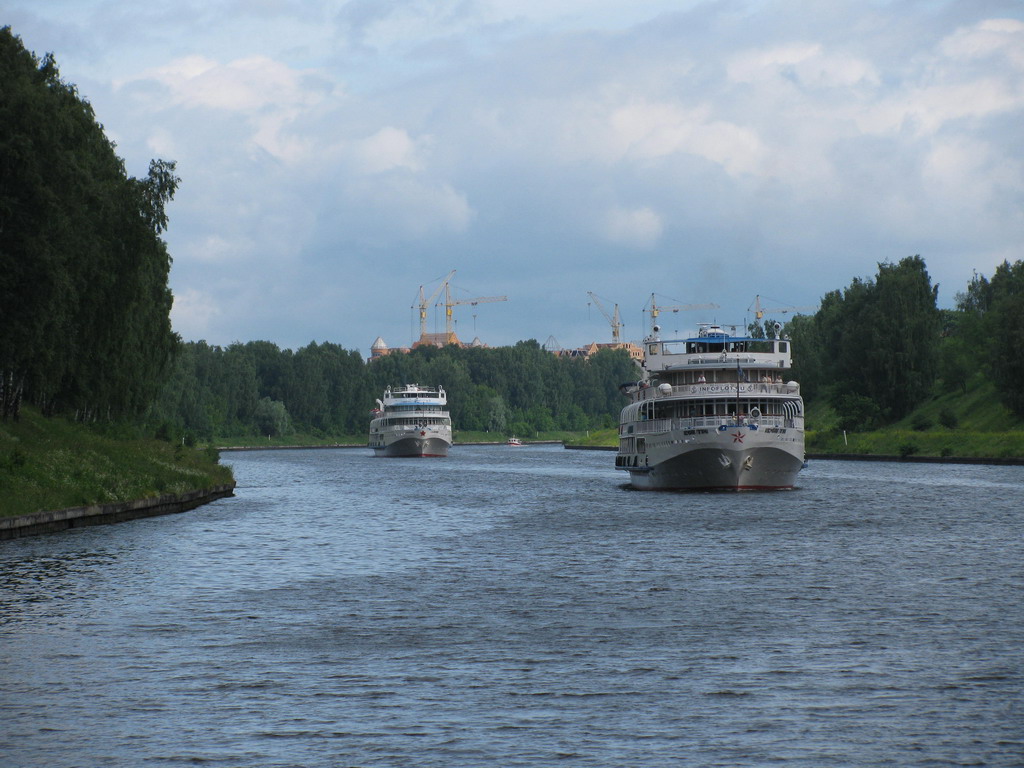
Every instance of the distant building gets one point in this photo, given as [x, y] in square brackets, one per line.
[379, 348]
[437, 340]
[635, 352]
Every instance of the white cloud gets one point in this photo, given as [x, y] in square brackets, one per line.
[401, 206]
[270, 96]
[803, 66]
[964, 177]
[218, 249]
[797, 144]
[633, 227]
[389, 148]
[806, 64]
[641, 131]
[242, 85]
[193, 313]
[927, 109]
[987, 38]
[974, 73]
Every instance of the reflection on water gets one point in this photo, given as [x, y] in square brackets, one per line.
[519, 607]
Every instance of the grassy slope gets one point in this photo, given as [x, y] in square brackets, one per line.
[984, 429]
[50, 464]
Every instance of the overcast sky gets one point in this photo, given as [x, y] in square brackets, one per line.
[336, 155]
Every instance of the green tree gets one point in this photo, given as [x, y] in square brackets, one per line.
[85, 326]
[877, 340]
[1004, 334]
[272, 417]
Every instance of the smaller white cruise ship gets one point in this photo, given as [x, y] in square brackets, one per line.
[411, 420]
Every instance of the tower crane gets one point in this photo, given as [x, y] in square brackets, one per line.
[425, 302]
[656, 310]
[449, 303]
[613, 319]
[759, 311]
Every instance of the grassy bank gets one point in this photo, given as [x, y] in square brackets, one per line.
[598, 438]
[964, 424]
[947, 443]
[952, 443]
[295, 439]
[968, 423]
[466, 436]
[299, 439]
[48, 464]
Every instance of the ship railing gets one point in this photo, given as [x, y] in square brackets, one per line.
[703, 389]
[711, 422]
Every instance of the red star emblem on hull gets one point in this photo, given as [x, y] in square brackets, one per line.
[737, 437]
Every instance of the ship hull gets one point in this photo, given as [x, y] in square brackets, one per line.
[415, 447]
[722, 462]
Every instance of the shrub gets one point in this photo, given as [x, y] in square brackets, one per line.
[920, 422]
[907, 449]
[948, 419]
[858, 413]
[16, 459]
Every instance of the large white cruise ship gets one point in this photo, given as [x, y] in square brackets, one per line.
[411, 421]
[714, 411]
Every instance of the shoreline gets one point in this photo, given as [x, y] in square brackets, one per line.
[35, 523]
[994, 460]
[364, 445]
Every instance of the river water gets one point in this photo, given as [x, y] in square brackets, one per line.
[521, 607]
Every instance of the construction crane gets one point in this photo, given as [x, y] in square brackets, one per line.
[759, 311]
[613, 319]
[425, 302]
[449, 303]
[656, 310]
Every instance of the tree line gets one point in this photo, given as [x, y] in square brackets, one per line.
[323, 389]
[874, 351]
[85, 327]
[880, 348]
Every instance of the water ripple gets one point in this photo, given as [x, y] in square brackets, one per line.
[520, 608]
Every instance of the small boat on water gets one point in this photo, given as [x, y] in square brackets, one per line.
[713, 412]
[514, 441]
[412, 421]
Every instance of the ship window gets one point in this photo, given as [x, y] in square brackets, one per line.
[782, 346]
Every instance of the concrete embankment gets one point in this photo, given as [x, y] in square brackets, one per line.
[870, 457]
[101, 514]
[918, 459]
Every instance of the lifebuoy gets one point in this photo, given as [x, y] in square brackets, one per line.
[755, 413]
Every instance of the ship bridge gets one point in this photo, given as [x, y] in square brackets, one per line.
[713, 348]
